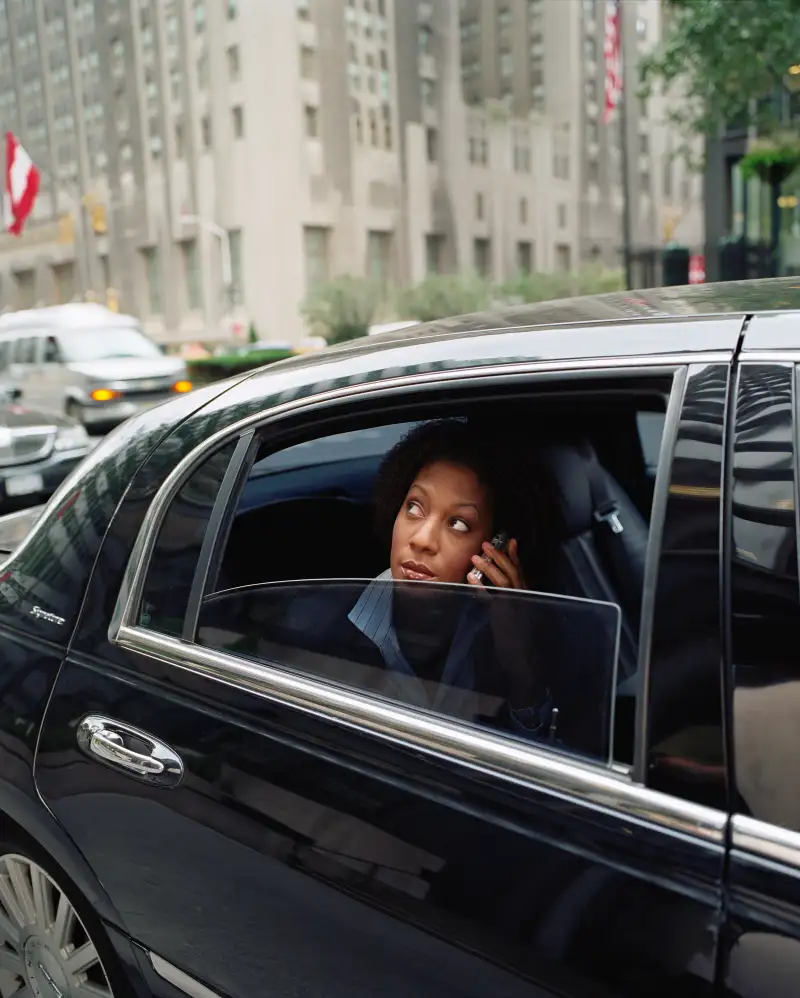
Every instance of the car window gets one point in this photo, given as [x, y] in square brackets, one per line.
[79, 345]
[533, 665]
[25, 350]
[651, 429]
[765, 596]
[303, 542]
[52, 353]
[177, 549]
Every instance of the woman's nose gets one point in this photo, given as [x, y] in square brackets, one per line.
[425, 537]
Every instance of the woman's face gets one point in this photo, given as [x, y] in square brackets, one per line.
[442, 523]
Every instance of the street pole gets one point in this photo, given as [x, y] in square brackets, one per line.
[623, 149]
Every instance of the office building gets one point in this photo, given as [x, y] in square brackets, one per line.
[210, 161]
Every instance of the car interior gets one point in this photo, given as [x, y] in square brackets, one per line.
[305, 510]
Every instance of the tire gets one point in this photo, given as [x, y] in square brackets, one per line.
[49, 934]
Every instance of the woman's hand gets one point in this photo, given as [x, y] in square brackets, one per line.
[510, 623]
[501, 569]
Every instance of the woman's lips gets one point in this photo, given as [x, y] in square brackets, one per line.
[415, 572]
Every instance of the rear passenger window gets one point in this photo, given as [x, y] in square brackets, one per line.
[351, 558]
[177, 549]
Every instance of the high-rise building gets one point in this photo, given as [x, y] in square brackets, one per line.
[212, 160]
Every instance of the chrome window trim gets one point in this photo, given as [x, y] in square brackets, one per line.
[655, 536]
[785, 356]
[138, 564]
[765, 841]
[438, 736]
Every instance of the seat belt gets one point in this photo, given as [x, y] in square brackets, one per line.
[609, 529]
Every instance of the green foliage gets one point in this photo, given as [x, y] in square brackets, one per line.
[725, 60]
[590, 280]
[252, 335]
[207, 369]
[343, 309]
[772, 160]
[443, 295]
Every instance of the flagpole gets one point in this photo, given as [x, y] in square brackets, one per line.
[627, 248]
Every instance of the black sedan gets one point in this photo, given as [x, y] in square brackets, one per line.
[263, 736]
[37, 451]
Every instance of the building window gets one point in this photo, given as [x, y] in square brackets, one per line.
[428, 92]
[205, 131]
[235, 250]
[373, 128]
[523, 211]
[641, 29]
[179, 140]
[563, 257]
[191, 273]
[592, 131]
[590, 49]
[312, 121]
[482, 257]
[379, 249]
[644, 145]
[561, 167]
[234, 66]
[434, 245]
[644, 181]
[315, 245]
[562, 216]
[506, 64]
[593, 171]
[308, 63]
[233, 9]
[238, 122]
[479, 206]
[524, 257]
[199, 16]
[202, 71]
[425, 36]
[152, 276]
[432, 144]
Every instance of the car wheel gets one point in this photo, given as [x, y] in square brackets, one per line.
[46, 947]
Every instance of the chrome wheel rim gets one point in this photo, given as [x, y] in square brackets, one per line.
[45, 951]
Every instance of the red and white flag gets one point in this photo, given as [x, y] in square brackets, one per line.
[612, 49]
[22, 185]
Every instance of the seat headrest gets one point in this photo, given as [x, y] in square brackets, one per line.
[567, 464]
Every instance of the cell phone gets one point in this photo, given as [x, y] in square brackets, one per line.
[500, 543]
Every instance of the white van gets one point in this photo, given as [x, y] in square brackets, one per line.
[87, 361]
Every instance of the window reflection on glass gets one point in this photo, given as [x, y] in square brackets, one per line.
[458, 650]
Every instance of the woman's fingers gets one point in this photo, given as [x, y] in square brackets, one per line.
[508, 567]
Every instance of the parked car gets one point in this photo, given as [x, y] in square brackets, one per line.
[88, 362]
[200, 796]
[37, 450]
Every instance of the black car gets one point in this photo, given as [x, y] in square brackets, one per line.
[37, 450]
[202, 794]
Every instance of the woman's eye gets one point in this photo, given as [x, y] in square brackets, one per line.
[460, 525]
[413, 508]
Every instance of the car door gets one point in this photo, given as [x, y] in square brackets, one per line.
[299, 833]
[762, 951]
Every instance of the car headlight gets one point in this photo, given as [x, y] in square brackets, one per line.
[71, 438]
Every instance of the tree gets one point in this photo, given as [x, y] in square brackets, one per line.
[726, 59]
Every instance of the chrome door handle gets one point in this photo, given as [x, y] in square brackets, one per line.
[133, 751]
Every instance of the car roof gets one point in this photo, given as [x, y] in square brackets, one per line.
[74, 315]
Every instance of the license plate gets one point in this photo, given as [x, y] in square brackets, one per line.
[24, 485]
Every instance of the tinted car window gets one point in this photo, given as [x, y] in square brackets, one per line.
[176, 552]
[453, 649]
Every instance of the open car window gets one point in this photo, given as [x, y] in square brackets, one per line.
[452, 649]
